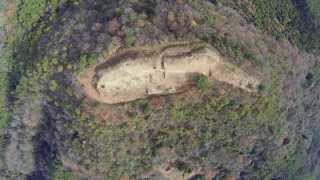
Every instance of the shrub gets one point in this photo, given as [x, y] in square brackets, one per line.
[129, 38]
[203, 82]
[53, 85]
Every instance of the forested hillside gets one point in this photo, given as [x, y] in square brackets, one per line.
[255, 117]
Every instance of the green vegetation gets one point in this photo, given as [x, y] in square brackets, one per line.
[31, 11]
[57, 172]
[86, 60]
[5, 55]
[22, 69]
[275, 16]
[29, 69]
[217, 121]
[202, 82]
[284, 19]
[314, 7]
[4, 114]
[53, 85]
[3, 89]
[214, 125]
[129, 38]
[62, 175]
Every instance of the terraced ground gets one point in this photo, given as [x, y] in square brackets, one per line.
[166, 69]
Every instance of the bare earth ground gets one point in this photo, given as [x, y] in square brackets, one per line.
[168, 69]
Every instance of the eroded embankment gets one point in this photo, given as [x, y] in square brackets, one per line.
[165, 69]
